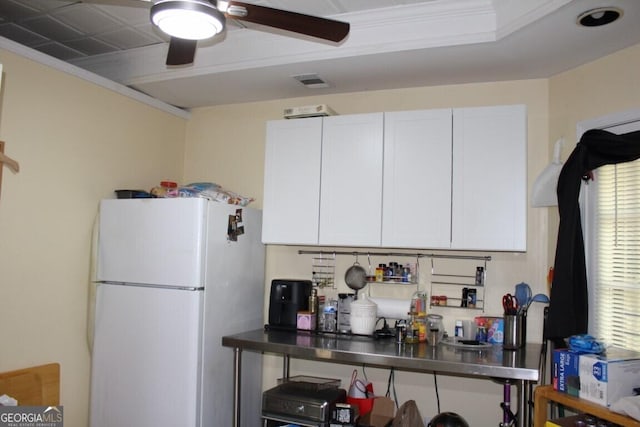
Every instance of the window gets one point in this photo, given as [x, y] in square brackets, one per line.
[611, 223]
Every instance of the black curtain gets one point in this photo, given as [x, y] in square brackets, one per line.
[568, 313]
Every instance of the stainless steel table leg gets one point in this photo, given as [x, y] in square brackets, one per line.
[285, 366]
[523, 409]
[237, 377]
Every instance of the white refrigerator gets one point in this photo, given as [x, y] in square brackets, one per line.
[173, 277]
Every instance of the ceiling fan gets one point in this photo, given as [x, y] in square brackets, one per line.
[188, 21]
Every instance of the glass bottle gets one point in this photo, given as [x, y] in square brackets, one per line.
[435, 329]
[413, 330]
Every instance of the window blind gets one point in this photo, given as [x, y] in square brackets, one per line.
[616, 288]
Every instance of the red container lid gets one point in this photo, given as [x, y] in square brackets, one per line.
[168, 184]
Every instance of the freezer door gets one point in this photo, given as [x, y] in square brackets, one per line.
[146, 366]
[152, 241]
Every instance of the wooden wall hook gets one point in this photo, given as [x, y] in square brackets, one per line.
[13, 165]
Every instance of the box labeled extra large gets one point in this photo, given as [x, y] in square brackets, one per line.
[565, 372]
[605, 379]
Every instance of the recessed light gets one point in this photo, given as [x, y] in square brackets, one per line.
[599, 16]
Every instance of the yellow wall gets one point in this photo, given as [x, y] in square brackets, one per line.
[76, 143]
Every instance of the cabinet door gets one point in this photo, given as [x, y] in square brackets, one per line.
[292, 181]
[351, 183]
[416, 207]
[489, 178]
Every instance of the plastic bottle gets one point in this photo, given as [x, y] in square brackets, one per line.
[459, 331]
[479, 276]
[481, 335]
[419, 302]
[388, 272]
[380, 273]
[422, 328]
[330, 319]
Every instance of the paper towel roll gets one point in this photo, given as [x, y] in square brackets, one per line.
[392, 308]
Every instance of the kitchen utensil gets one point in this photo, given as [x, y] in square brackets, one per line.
[509, 304]
[356, 277]
[537, 298]
[514, 331]
[523, 294]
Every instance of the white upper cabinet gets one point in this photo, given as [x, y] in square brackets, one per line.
[433, 179]
[292, 181]
[416, 209]
[489, 178]
[351, 180]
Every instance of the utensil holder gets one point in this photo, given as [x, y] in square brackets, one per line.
[515, 333]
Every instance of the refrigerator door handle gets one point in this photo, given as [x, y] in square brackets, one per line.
[145, 285]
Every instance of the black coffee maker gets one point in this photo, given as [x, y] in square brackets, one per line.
[288, 296]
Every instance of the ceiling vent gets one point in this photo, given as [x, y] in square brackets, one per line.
[312, 81]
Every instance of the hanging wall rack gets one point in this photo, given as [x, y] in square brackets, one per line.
[447, 285]
[397, 254]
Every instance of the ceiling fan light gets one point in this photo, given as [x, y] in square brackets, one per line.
[190, 20]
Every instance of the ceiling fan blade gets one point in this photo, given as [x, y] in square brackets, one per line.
[181, 51]
[322, 28]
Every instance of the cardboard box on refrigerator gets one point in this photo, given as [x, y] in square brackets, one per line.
[605, 379]
[565, 372]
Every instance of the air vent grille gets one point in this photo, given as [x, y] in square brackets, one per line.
[312, 81]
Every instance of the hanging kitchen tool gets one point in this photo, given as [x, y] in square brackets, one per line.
[356, 277]
[543, 192]
[523, 294]
[537, 298]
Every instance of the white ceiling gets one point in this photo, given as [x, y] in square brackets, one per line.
[392, 44]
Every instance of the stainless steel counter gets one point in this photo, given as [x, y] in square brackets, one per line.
[520, 367]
